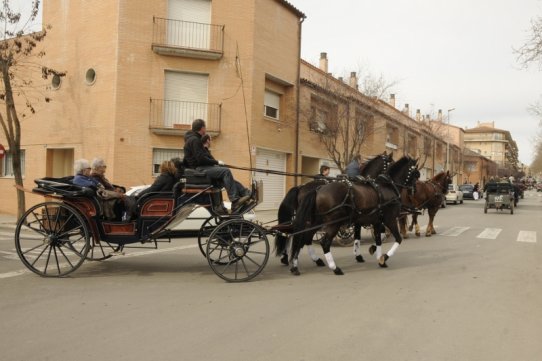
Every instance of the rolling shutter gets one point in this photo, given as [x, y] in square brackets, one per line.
[185, 97]
[192, 31]
[273, 185]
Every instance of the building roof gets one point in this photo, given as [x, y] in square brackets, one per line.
[486, 130]
[292, 8]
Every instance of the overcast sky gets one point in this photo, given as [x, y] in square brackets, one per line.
[444, 54]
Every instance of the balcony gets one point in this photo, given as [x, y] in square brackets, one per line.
[171, 117]
[187, 39]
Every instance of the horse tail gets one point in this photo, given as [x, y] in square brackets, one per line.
[305, 214]
[286, 214]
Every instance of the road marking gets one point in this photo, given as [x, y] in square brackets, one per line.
[135, 254]
[526, 236]
[490, 233]
[454, 231]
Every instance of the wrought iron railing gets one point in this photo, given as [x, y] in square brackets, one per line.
[179, 115]
[188, 35]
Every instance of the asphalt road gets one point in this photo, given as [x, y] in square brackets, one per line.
[471, 292]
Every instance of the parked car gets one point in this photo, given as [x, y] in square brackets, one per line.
[191, 226]
[467, 190]
[455, 195]
[539, 187]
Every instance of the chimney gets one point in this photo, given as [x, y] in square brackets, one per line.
[341, 79]
[353, 80]
[323, 62]
[406, 110]
[439, 115]
[418, 115]
[392, 100]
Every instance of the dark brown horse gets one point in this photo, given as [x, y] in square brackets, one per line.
[365, 202]
[427, 195]
[286, 214]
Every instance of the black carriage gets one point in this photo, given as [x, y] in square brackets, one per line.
[500, 196]
[55, 237]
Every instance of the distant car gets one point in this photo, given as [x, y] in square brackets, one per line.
[191, 225]
[454, 194]
[539, 187]
[467, 190]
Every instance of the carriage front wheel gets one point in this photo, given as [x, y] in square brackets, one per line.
[52, 239]
[237, 250]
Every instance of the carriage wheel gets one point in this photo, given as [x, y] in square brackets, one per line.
[237, 250]
[100, 251]
[205, 231]
[345, 236]
[52, 239]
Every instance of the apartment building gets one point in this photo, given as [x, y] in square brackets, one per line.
[477, 168]
[495, 144]
[139, 72]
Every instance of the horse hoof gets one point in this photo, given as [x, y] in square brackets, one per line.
[319, 263]
[433, 231]
[382, 261]
[410, 229]
[338, 271]
[284, 260]
[295, 271]
[372, 250]
[405, 236]
[418, 234]
[428, 234]
[360, 259]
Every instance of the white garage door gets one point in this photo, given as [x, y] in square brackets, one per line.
[273, 185]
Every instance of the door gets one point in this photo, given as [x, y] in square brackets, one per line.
[273, 184]
[59, 162]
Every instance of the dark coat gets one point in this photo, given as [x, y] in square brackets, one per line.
[164, 183]
[103, 181]
[195, 154]
[353, 169]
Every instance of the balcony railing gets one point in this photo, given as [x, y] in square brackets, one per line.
[188, 39]
[176, 117]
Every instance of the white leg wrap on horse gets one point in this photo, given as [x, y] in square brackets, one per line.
[295, 262]
[313, 255]
[378, 252]
[357, 246]
[330, 261]
[393, 249]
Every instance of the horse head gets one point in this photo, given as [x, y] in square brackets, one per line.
[404, 172]
[377, 165]
[444, 179]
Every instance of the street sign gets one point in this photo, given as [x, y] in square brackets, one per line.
[2, 151]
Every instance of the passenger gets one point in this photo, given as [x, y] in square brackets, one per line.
[196, 157]
[82, 175]
[165, 181]
[353, 169]
[324, 172]
[98, 172]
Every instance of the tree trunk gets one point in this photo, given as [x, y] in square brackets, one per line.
[17, 172]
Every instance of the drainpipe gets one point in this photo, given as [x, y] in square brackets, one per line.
[298, 91]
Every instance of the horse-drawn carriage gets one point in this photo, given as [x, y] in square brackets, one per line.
[500, 196]
[55, 237]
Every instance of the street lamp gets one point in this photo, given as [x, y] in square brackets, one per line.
[448, 140]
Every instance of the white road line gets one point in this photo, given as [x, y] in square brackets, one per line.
[490, 233]
[454, 231]
[526, 236]
[135, 254]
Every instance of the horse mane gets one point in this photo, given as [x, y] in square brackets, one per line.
[371, 161]
[437, 178]
[399, 165]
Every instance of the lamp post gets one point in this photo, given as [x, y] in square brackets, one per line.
[448, 140]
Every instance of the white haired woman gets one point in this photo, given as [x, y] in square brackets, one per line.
[82, 174]
[98, 173]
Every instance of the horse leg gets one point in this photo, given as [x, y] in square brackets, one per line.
[411, 227]
[416, 225]
[430, 229]
[314, 257]
[392, 225]
[284, 257]
[294, 257]
[330, 233]
[376, 249]
[357, 243]
[403, 225]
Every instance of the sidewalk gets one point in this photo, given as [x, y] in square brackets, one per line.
[7, 219]
[266, 216]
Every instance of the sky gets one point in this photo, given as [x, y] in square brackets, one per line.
[442, 54]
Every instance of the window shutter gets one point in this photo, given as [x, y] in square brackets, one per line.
[185, 97]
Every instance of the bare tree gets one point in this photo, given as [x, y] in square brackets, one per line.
[19, 62]
[531, 51]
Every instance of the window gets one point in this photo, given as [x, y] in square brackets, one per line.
[271, 105]
[318, 122]
[185, 97]
[188, 23]
[159, 155]
[7, 164]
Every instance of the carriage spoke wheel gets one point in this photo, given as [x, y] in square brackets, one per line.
[52, 239]
[237, 250]
[205, 231]
[102, 250]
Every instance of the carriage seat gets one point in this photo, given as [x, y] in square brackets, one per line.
[62, 186]
[198, 179]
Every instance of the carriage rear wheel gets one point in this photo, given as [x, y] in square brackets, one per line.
[237, 250]
[52, 239]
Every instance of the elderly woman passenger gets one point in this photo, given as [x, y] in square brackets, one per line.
[82, 174]
[98, 172]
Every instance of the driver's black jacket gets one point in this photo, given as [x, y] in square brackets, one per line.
[195, 154]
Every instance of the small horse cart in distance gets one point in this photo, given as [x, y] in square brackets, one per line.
[499, 196]
[55, 237]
